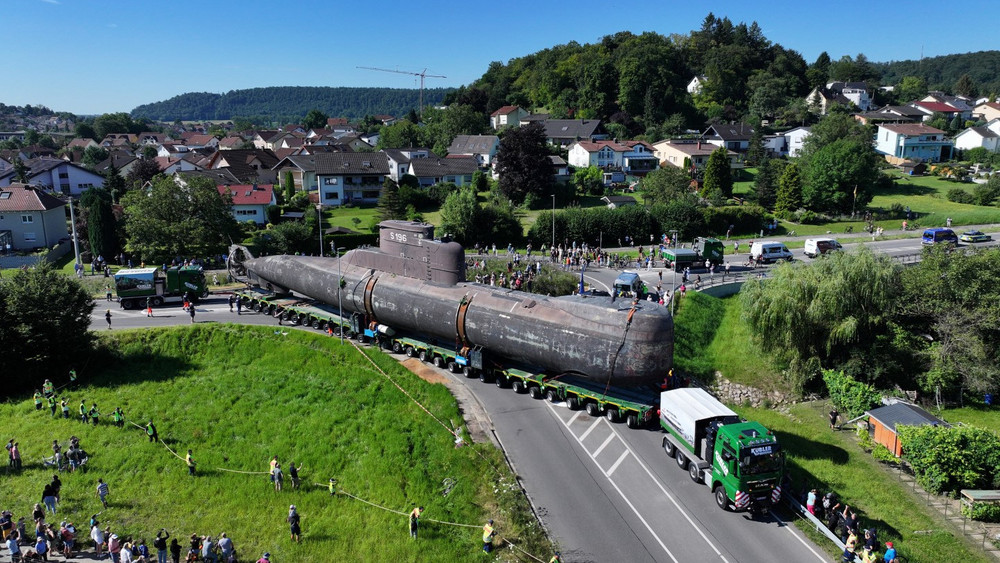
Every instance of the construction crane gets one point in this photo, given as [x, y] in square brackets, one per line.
[423, 74]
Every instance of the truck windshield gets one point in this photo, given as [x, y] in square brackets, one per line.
[761, 459]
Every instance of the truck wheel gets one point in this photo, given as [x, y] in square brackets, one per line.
[517, 386]
[694, 472]
[127, 304]
[501, 381]
[410, 352]
[720, 497]
[535, 392]
[632, 420]
[593, 409]
[668, 448]
[552, 396]
[396, 347]
[612, 414]
[483, 375]
[469, 372]
[438, 362]
[157, 301]
[452, 367]
[682, 460]
[318, 324]
[573, 403]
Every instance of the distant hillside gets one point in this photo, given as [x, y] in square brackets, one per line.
[289, 103]
[942, 72]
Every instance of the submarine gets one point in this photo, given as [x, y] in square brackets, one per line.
[415, 283]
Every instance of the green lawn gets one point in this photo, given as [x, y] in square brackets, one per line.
[237, 395]
[927, 197]
[978, 415]
[832, 460]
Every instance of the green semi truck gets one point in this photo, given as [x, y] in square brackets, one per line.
[740, 461]
[134, 286]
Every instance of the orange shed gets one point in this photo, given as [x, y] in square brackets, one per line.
[884, 420]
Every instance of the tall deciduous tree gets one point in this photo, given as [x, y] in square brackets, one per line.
[172, 219]
[965, 86]
[142, 171]
[718, 174]
[665, 184]
[789, 196]
[92, 156]
[523, 163]
[315, 119]
[20, 170]
[461, 216]
[841, 177]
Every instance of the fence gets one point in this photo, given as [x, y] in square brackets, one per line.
[30, 260]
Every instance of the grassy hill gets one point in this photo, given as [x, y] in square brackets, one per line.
[237, 395]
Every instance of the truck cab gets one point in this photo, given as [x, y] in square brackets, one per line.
[711, 249]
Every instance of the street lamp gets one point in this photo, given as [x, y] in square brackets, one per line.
[553, 222]
[319, 223]
[340, 295]
[673, 280]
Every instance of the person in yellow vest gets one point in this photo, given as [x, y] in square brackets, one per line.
[38, 400]
[72, 376]
[94, 413]
[190, 463]
[83, 412]
[488, 533]
[556, 558]
[65, 407]
[870, 556]
[52, 404]
[415, 520]
[48, 389]
[333, 487]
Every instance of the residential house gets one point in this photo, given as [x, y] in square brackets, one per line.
[249, 165]
[630, 157]
[172, 150]
[457, 170]
[8, 135]
[58, 175]
[795, 140]
[775, 145]
[123, 161]
[732, 136]
[987, 111]
[690, 154]
[386, 119]
[169, 165]
[976, 137]
[962, 103]
[696, 85]
[891, 114]
[202, 142]
[351, 140]
[507, 115]
[152, 138]
[4, 164]
[564, 132]
[221, 177]
[303, 169]
[400, 159]
[345, 177]
[250, 201]
[260, 138]
[949, 112]
[336, 121]
[82, 144]
[913, 141]
[31, 218]
[119, 140]
[842, 93]
[560, 169]
[230, 142]
[482, 147]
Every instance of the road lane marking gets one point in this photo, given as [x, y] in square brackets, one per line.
[607, 441]
[588, 431]
[575, 416]
[652, 477]
[614, 466]
[791, 530]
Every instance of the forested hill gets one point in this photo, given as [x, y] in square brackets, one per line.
[942, 73]
[290, 103]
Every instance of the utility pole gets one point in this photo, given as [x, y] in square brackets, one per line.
[340, 296]
[319, 224]
[422, 74]
[553, 222]
[72, 221]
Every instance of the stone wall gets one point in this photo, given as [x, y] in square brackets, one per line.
[736, 393]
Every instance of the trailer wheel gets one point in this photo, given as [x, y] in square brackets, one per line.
[396, 347]
[668, 448]
[682, 460]
[517, 386]
[573, 403]
[452, 367]
[632, 420]
[694, 472]
[612, 414]
[410, 352]
[535, 392]
[552, 396]
[720, 497]
[501, 381]
[483, 375]
[423, 355]
[593, 409]
[318, 324]
[157, 301]
[438, 362]
[469, 372]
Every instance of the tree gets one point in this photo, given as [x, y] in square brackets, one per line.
[390, 204]
[826, 313]
[461, 216]
[718, 174]
[289, 185]
[664, 185]
[92, 156]
[522, 161]
[965, 86]
[84, 130]
[819, 71]
[142, 171]
[109, 123]
[114, 183]
[833, 127]
[96, 205]
[589, 180]
[21, 170]
[173, 219]
[315, 119]
[46, 325]
[841, 177]
[765, 184]
[755, 152]
[789, 196]
[400, 135]
[911, 88]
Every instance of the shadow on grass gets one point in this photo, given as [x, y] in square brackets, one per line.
[903, 187]
[809, 449]
[134, 368]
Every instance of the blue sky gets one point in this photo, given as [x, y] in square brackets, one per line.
[96, 56]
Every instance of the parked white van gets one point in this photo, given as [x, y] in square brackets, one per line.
[768, 252]
[819, 246]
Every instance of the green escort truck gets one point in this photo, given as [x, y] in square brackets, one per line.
[740, 461]
[134, 286]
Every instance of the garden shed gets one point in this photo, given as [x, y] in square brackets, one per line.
[883, 422]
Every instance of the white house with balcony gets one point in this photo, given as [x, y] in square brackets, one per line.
[630, 157]
[913, 141]
[350, 177]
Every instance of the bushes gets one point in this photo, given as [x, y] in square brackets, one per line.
[745, 218]
[959, 195]
[851, 397]
[982, 511]
[946, 460]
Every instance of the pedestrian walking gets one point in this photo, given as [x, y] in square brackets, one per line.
[102, 492]
[15, 456]
[65, 407]
[83, 412]
[52, 405]
[239, 307]
[175, 551]
[190, 463]
[293, 473]
[488, 533]
[415, 520]
[149, 306]
[151, 432]
[332, 486]
[277, 476]
[38, 400]
[191, 312]
[107, 290]
[294, 523]
[107, 317]
[833, 419]
[232, 301]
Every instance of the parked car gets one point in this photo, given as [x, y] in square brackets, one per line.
[817, 246]
[768, 252]
[974, 236]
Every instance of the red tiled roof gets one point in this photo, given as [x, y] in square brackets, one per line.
[249, 194]
[617, 146]
[937, 106]
[504, 110]
[25, 197]
[911, 129]
[332, 121]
